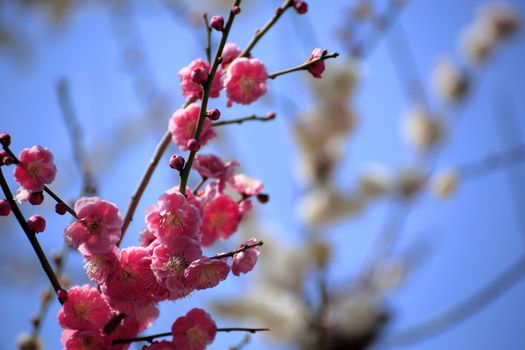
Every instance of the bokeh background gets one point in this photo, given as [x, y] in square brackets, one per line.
[120, 61]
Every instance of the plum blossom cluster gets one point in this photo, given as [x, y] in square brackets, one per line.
[168, 265]
[169, 262]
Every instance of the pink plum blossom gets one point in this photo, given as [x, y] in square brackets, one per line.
[221, 219]
[183, 124]
[192, 90]
[84, 309]
[244, 262]
[169, 262]
[36, 168]
[245, 80]
[194, 331]
[98, 226]
[206, 273]
[317, 68]
[133, 278]
[173, 216]
[245, 185]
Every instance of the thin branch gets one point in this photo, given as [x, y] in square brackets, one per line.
[199, 185]
[303, 66]
[245, 119]
[506, 158]
[260, 33]
[236, 251]
[30, 234]
[460, 312]
[208, 37]
[150, 338]
[185, 173]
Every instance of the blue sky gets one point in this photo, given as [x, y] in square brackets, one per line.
[473, 237]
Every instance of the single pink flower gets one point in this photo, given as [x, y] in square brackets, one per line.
[169, 262]
[98, 226]
[133, 279]
[173, 216]
[245, 80]
[192, 90]
[245, 261]
[88, 340]
[183, 124]
[161, 345]
[220, 220]
[99, 266]
[194, 331]
[229, 53]
[84, 309]
[245, 185]
[206, 273]
[36, 168]
[317, 68]
[209, 166]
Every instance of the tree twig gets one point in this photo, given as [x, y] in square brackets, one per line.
[303, 66]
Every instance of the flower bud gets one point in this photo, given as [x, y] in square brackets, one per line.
[5, 139]
[36, 223]
[236, 10]
[5, 208]
[61, 208]
[301, 7]
[217, 23]
[213, 114]
[193, 145]
[199, 76]
[270, 116]
[36, 198]
[263, 198]
[177, 162]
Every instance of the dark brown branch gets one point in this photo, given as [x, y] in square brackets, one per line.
[30, 234]
[232, 253]
[150, 338]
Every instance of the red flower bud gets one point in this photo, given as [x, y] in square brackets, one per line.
[193, 145]
[36, 198]
[37, 223]
[5, 208]
[199, 76]
[213, 114]
[217, 23]
[177, 162]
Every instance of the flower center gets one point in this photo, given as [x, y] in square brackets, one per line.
[176, 264]
[195, 335]
[80, 311]
[246, 83]
[33, 168]
[94, 225]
